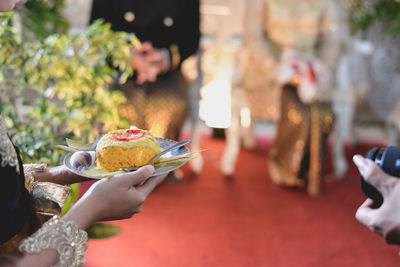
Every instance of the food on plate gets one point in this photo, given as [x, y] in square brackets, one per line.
[128, 148]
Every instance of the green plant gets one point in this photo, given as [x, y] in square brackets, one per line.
[102, 230]
[59, 87]
[63, 84]
[40, 18]
[365, 12]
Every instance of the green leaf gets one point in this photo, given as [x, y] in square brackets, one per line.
[77, 144]
[40, 144]
[124, 77]
[66, 148]
[72, 197]
[102, 230]
[364, 13]
[45, 159]
[9, 123]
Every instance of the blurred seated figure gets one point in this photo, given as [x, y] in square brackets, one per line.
[309, 30]
[292, 50]
[296, 155]
[169, 30]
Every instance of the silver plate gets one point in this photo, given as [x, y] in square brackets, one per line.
[164, 143]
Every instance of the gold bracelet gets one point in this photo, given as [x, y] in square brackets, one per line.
[29, 170]
[63, 236]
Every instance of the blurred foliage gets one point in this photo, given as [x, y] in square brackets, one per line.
[102, 230]
[55, 86]
[42, 18]
[366, 12]
[72, 198]
[59, 87]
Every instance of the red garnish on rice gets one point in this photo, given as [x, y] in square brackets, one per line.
[130, 134]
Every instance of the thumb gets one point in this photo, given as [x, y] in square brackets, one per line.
[374, 175]
[137, 177]
[365, 213]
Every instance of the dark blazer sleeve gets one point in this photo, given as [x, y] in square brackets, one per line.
[14, 200]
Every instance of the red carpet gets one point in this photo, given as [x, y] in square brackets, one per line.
[210, 220]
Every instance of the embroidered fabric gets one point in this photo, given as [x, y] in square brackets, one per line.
[7, 150]
[69, 241]
[29, 170]
[315, 74]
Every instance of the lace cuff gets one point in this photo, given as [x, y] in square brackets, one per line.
[69, 241]
[29, 170]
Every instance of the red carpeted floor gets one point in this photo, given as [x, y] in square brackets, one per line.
[210, 220]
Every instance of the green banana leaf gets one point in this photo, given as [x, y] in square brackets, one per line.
[75, 188]
[102, 230]
[72, 197]
[76, 144]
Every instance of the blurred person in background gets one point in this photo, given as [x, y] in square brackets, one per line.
[296, 44]
[169, 32]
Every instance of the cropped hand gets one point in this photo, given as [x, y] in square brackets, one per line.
[119, 197]
[384, 220]
[58, 175]
[159, 59]
[149, 62]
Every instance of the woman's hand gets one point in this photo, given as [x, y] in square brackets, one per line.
[119, 197]
[384, 220]
[108, 199]
[59, 175]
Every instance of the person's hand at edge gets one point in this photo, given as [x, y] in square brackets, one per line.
[58, 175]
[384, 220]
